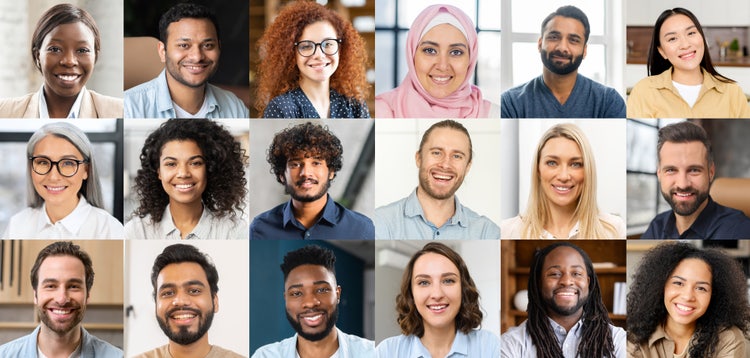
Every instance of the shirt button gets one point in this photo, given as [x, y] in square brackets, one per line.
[307, 234]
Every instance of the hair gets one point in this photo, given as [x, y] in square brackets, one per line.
[469, 315]
[685, 132]
[308, 255]
[277, 70]
[538, 209]
[451, 124]
[57, 15]
[91, 189]
[63, 248]
[314, 140]
[596, 339]
[728, 306]
[572, 12]
[182, 11]
[657, 64]
[225, 167]
[179, 253]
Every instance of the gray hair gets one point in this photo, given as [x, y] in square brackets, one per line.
[91, 188]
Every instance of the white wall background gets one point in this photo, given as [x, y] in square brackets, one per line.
[396, 172]
[230, 327]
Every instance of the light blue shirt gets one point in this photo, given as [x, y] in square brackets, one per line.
[350, 346]
[476, 344]
[152, 100]
[516, 342]
[405, 219]
[91, 347]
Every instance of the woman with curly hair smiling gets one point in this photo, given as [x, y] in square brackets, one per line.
[313, 66]
[687, 302]
[191, 184]
[438, 309]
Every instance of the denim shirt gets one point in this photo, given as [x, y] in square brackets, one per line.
[91, 347]
[350, 346]
[476, 344]
[152, 100]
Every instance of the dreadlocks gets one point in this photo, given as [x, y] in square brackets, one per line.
[596, 340]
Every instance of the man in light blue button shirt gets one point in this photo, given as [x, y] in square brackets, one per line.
[189, 46]
[432, 210]
[567, 317]
[312, 298]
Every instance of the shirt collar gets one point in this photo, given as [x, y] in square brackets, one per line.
[164, 98]
[74, 110]
[412, 208]
[201, 230]
[700, 226]
[73, 221]
[330, 213]
[460, 346]
[659, 333]
[571, 235]
[664, 80]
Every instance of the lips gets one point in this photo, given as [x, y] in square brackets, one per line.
[441, 79]
[442, 177]
[683, 308]
[687, 56]
[683, 195]
[306, 183]
[55, 189]
[195, 68]
[313, 318]
[184, 187]
[71, 77]
[438, 308]
[562, 188]
[183, 315]
[565, 293]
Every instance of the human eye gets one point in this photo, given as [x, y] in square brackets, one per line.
[295, 293]
[436, 153]
[553, 37]
[67, 163]
[550, 163]
[554, 274]
[54, 49]
[323, 290]
[329, 44]
[458, 156]
[449, 281]
[166, 293]
[170, 163]
[197, 163]
[457, 52]
[429, 50]
[671, 39]
[677, 283]
[293, 165]
[194, 291]
[49, 286]
[84, 50]
[305, 46]
[576, 165]
[41, 162]
[209, 46]
[183, 45]
[423, 283]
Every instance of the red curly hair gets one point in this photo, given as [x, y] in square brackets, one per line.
[277, 70]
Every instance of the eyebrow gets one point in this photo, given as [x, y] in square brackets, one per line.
[186, 284]
[191, 158]
[558, 157]
[433, 43]
[560, 267]
[299, 285]
[54, 280]
[443, 150]
[675, 32]
[64, 156]
[446, 274]
[697, 282]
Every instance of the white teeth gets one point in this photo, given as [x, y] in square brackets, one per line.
[58, 311]
[312, 318]
[55, 188]
[67, 77]
[562, 188]
[683, 308]
[184, 186]
[441, 79]
[683, 194]
[183, 316]
[566, 293]
[437, 308]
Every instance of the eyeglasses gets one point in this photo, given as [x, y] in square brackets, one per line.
[66, 167]
[307, 48]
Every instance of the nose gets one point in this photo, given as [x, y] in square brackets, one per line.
[683, 42]
[196, 53]
[566, 279]
[686, 293]
[442, 61]
[183, 171]
[682, 181]
[62, 297]
[181, 298]
[310, 301]
[436, 292]
[564, 173]
[68, 59]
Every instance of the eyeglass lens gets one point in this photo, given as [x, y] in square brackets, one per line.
[66, 167]
[307, 48]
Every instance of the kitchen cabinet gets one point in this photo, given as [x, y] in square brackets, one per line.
[709, 13]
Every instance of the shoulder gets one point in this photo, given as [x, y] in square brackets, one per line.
[270, 216]
[731, 343]
[107, 106]
[347, 107]
[159, 352]
[392, 346]
[511, 228]
[107, 225]
[229, 104]
[285, 105]
[268, 223]
[284, 348]
[16, 106]
[475, 219]
[20, 347]
[217, 352]
[483, 337]
[140, 228]
[100, 347]
[356, 343]
[383, 108]
[144, 89]
[617, 222]
[351, 215]
[513, 341]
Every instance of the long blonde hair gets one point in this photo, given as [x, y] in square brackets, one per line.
[587, 212]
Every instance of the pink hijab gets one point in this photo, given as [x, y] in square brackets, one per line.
[410, 100]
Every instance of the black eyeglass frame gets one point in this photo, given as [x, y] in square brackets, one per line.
[316, 45]
[56, 164]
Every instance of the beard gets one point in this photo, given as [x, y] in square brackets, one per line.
[314, 337]
[65, 327]
[565, 311]
[424, 184]
[560, 69]
[685, 208]
[183, 336]
[290, 189]
[174, 70]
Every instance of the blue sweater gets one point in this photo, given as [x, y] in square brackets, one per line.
[588, 99]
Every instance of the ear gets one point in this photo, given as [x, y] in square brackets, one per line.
[661, 52]
[162, 52]
[711, 172]
[216, 303]
[418, 158]
[539, 44]
[338, 294]
[35, 298]
[468, 166]
[331, 175]
[282, 179]
[86, 172]
[585, 49]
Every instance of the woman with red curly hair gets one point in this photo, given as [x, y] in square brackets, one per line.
[313, 66]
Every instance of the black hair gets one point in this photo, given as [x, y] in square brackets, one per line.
[308, 255]
[573, 13]
[186, 10]
[179, 253]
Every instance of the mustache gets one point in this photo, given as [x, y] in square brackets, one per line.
[176, 309]
[688, 190]
[302, 181]
[559, 53]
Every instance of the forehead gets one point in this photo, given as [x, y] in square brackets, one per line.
[561, 146]
[73, 31]
[178, 273]
[675, 23]
[563, 256]
[61, 268]
[689, 153]
[309, 274]
[693, 269]
[444, 33]
[191, 28]
[565, 25]
[180, 147]
[432, 263]
[54, 144]
[322, 29]
[449, 138]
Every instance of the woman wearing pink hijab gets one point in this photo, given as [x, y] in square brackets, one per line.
[441, 52]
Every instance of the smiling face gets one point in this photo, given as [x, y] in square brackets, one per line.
[561, 172]
[562, 45]
[565, 282]
[685, 176]
[191, 53]
[442, 60]
[66, 57]
[681, 43]
[182, 171]
[185, 306]
[312, 297]
[306, 178]
[436, 288]
[56, 190]
[61, 296]
[319, 67]
[687, 292]
[443, 161]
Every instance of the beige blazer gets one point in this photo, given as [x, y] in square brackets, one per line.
[93, 105]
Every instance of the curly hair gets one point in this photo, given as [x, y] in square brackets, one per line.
[469, 314]
[314, 140]
[277, 69]
[596, 339]
[225, 168]
[728, 306]
[309, 255]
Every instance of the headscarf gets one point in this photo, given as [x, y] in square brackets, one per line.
[411, 100]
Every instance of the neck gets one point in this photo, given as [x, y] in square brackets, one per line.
[560, 221]
[566, 322]
[197, 349]
[685, 222]
[438, 340]
[56, 213]
[58, 107]
[688, 78]
[560, 85]
[185, 216]
[436, 211]
[680, 334]
[308, 213]
[318, 93]
[325, 347]
[54, 345]
[188, 98]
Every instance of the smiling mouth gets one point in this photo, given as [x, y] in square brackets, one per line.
[68, 78]
[683, 308]
[687, 56]
[441, 79]
[184, 186]
[61, 311]
[437, 308]
[55, 189]
[563, 189]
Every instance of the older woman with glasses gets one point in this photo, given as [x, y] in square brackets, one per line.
[64, 194]
[321, 74]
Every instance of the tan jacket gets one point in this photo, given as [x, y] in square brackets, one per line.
[731, 345]
[93, 105]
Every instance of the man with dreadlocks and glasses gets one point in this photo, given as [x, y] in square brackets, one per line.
[567, 318]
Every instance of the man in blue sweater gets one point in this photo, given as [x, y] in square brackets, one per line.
[560, 92]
